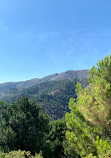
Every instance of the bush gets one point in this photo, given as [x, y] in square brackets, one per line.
[19, 154]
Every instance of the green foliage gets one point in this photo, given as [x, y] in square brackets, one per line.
[89, 122]
[55, 139]
[51, 96]
[54, 100]
[69, 151]
[94, 101]
[19, 154]
[22, 126]
[103, 147]
[81, 135]
[56, 145]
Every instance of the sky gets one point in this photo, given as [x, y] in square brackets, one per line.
[43, 37]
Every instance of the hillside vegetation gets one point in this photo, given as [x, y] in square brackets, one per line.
[51, 93]
[84, 132]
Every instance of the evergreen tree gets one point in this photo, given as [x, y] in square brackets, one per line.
[89, 121]
[22, 126]
[94, 102]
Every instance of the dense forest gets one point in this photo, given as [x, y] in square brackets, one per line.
[83, 132]
[51, 96]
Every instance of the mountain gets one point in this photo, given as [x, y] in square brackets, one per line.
[71, 74]
[52, 92]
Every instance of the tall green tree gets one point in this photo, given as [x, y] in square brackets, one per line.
[89, 121]
[94, 102]
[22, 126]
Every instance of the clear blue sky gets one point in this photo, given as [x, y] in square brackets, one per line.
[41, 37]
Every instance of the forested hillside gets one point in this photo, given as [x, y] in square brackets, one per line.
[10, 87]
[84, 132]
[51, 93]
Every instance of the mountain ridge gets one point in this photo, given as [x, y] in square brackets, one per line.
[70, 74]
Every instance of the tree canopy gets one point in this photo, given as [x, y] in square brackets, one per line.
[22, 126]
[89, 121]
